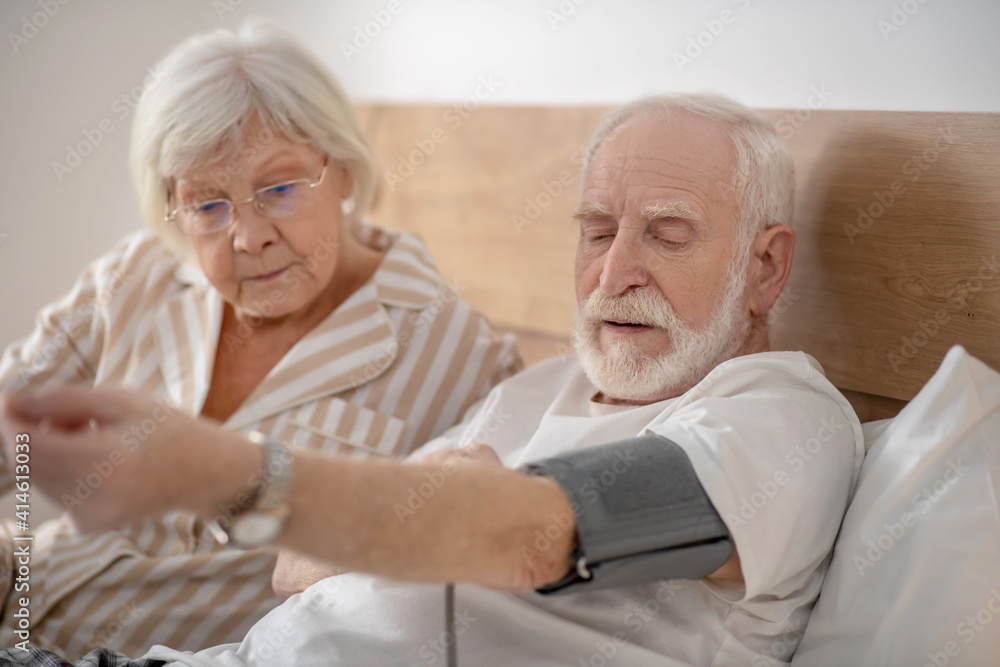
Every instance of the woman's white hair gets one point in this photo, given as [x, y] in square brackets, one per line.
[764, 176]
[209, 86]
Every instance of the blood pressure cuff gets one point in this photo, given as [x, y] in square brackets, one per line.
[641, 515]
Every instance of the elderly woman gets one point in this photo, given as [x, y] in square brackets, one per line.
[260, 299]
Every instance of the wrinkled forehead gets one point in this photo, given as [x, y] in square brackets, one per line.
[259, 152]
[656, 150]
[252, 139]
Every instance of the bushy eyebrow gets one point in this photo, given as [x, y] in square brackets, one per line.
[668, 209]
[652, 211]
[591, 210]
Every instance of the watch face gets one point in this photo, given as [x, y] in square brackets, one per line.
[254, 529]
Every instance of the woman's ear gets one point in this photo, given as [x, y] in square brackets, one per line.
[346, 181]
[769, 267]
[168, 188]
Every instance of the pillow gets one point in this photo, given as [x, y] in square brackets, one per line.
[915, 575]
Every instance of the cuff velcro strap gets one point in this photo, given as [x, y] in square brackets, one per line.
[641, 515]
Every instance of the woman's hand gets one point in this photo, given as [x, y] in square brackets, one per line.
[110, 456]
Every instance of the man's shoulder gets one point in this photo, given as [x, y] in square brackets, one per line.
[769, 390]
[763, 370]
[769, 372]
[783, 393]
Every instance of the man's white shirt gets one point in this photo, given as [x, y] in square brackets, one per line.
[777, 449]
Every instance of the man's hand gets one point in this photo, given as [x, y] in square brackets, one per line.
[731, 571]
[477, 452]
[148, 457]
[294, 573]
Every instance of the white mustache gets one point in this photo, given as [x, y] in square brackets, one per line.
[639, 306]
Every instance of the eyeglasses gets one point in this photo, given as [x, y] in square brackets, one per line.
[275, 201]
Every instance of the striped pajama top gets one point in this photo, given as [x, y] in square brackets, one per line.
[397, 363]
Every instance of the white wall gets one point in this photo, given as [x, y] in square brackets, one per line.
[69, 75]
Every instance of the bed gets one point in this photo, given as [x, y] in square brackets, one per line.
[897, 261]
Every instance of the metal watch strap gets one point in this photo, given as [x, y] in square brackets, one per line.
[269, 505]
[276, 475]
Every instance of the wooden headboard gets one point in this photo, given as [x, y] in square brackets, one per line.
[897, 217]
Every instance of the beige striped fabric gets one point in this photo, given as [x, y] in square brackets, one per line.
[396, 364]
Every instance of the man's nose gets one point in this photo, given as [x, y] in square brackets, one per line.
[624, 264]
[252, 232]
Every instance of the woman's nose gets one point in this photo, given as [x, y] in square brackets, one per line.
[252, 232]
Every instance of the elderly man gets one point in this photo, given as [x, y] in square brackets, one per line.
[668, 496]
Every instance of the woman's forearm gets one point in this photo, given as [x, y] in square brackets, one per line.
[445, 520]
[481, 523]
[460, 520]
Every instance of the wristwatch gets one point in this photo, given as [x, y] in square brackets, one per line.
[262, 522]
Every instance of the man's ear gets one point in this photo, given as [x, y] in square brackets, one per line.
[769, 267]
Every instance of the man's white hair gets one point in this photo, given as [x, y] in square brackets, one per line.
[764, 176]
[193, 112]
